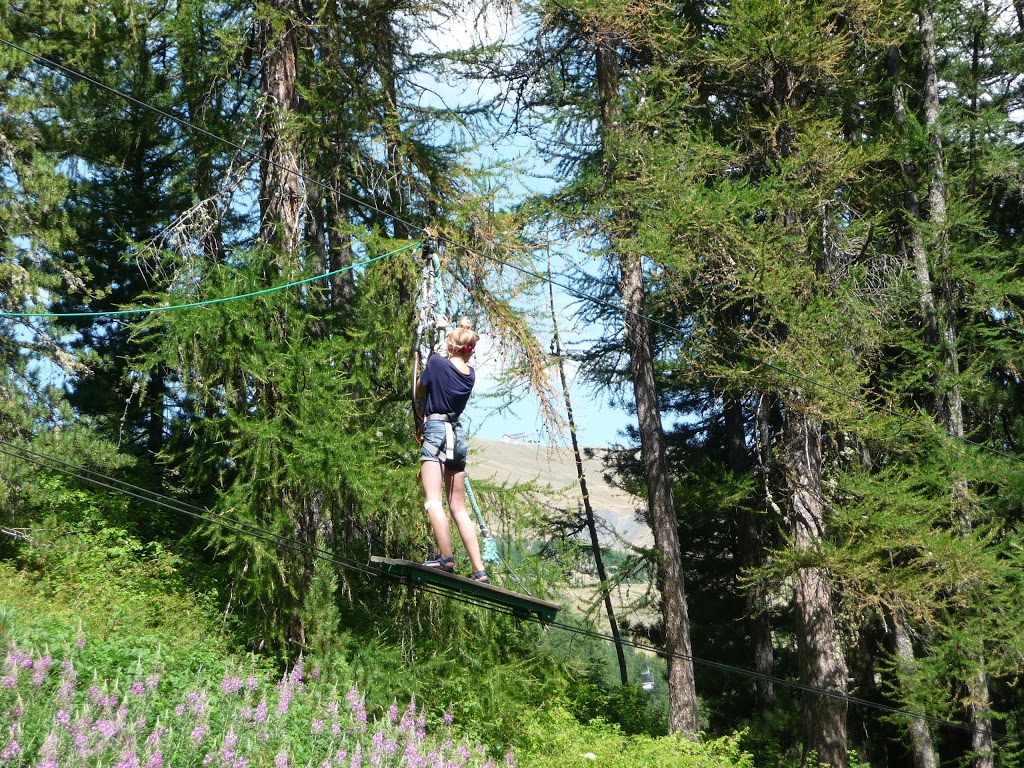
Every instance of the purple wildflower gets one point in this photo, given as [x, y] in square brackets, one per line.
[230, 685]
[317, 727]
[66, 692]
[152, 682]
[106, 728]
[284, 702]
[413, 759]
[9, 682]
[252, 683]
[156, 760]
[448, 717]
[281, 761]
[196, 702]
[393, 714]
[11, 751]
[199, 733]
[80, 641]
[138, 688]
[261, 712]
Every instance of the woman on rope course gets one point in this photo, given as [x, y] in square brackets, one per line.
[446, 383]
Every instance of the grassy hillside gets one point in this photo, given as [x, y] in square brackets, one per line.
[118, 653]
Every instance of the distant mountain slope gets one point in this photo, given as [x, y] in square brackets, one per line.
[554, 472]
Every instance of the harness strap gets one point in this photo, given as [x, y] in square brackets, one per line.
[449, 417]
[449, 442]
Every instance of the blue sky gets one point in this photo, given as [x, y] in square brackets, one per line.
[598, 424]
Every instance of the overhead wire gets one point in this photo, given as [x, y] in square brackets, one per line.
[131, 490]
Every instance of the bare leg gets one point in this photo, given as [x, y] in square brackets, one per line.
[431, 475]
[455, 484]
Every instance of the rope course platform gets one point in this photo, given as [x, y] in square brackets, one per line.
[523, 606]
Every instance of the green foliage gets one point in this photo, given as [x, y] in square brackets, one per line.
[556, 738]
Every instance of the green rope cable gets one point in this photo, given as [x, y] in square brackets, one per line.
[142, 310]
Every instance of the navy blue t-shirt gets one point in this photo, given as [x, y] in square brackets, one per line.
[447, 387]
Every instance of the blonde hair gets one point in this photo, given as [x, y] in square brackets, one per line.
[463, 338]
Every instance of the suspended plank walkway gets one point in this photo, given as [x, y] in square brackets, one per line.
[523, 606]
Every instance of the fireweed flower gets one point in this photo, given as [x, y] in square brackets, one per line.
[230, 685]
[106, 728]
[11, 751]
[393, 714]
[284, 702]
[196, 702]
[80, 642]
[252, 683]
[317, 727]
[281, 761]
[358, 706]
[66, 692]
[138, 688]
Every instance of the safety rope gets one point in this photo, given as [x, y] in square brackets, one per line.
[208, 302]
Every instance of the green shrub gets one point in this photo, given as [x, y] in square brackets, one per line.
[556, 739]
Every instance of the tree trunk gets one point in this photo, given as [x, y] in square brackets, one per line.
[661, 509]
[921, 745]
[938, 305]
[750, 554]
[280, 190]
[821, 660]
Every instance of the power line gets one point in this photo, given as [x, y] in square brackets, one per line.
[248, 529]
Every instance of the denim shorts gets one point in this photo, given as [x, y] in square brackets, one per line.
[434, 447]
